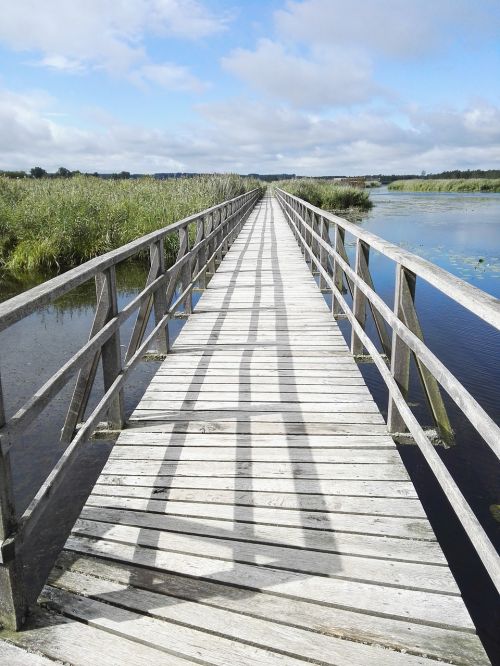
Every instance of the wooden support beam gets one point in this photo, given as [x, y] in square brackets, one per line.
[144, 313]
[111, 352]
[359, 299]
[186, 269]
[86, 376]
[431, 388]
[404, 307]
[400, 356]
[323, 256]
[338, 274]
[157, 261]
[13, 605]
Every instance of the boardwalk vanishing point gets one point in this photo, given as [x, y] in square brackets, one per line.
[255, 510]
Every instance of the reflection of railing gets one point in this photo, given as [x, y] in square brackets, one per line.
[310, 226]
[210, 232]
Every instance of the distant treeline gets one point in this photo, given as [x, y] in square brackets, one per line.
[443, 175]
[384, 179]
[62, 172]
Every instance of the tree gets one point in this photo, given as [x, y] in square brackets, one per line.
[38, 172]
[62, 172]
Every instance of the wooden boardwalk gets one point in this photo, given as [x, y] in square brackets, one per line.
[256, 511]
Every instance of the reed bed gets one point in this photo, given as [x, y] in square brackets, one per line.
[48, 225]
[327, 194]
[447, 185]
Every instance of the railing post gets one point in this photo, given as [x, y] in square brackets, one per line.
[314, 224]
[227, 230]
[12, 599]
[111, 350]
[186, 269]
[210, 245]
[323, 256]
[400, 352]
[338, 274]
[358, 298]
[198, 260]
[157, 262]
[224, 212]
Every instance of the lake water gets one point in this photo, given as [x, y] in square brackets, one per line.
[459, 232]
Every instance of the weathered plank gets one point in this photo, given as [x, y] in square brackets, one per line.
[400, 574]
[404, 508]
[404, 528]
[458, 647]
[442, 610]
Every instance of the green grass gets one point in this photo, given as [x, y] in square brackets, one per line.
[48, 225]
[447, 185]
[326, 194]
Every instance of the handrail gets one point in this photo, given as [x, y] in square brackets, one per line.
[483, 305]
[216, 228]
[296, 210]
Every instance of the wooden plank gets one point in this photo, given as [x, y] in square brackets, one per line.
[407, 575]
[136, 436]
[439, 609]
[459, 647]
[325, 487]
[202, 646]
[370, 545]
[79, 644]
[341, 402]
[264, 454]
[259, 469]
[260, 425]
[179, 383]
[11, 655]
[243, 423]
[403, 508]
[404, 528]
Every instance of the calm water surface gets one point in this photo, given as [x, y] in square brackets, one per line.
[459, 232]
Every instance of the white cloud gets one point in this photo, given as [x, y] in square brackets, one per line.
[60, 63]
[170, 77]
[391, 27]
[242, 136]
[102, 34]
[328, 77]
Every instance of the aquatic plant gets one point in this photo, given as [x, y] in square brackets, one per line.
[447, 185]
[327, 194]
[55, 224]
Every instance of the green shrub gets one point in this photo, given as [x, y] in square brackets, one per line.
[327, 194]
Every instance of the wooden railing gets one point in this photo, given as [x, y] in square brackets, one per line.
[400, 336]
[203, 239]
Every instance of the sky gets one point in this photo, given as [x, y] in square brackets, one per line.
[312, 87]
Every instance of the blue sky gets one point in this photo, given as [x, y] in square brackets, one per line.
[312, 87]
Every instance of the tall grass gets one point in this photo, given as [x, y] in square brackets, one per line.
[447, 185]
[55, 224]
[327, 194]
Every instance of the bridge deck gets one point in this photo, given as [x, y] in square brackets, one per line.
[256, 511]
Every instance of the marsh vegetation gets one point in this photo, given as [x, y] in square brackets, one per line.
[447, 185]
[48, 225]
[327, 194]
